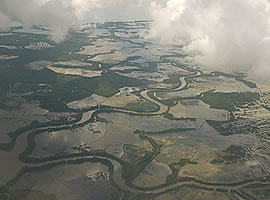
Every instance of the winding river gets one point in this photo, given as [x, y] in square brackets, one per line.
[21, 145]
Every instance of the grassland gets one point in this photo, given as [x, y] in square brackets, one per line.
[176, 167]
[63, 88]
[230, 100]
[172, 130]
[239, 77]
[174, 78]
[142, 106]
[231, 155]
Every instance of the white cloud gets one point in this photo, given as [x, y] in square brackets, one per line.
[59, 15]
[229, 34]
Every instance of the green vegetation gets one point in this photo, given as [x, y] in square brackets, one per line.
[265, 107]
[111, 80]
[142, 106]
[24, 194]
[168, 102]
[105, 89]
[45, 167]
[176, 167]
[238, 76]
[172, 130]
[130, 172]
[231, 127]
[35, 125]
[54, 90]
[134, 154]
[60, 52]
[215, 124]
[59, 89]
[170, 116]
[93, 67]
[3, 196]
[152, 67]
[231, 155]
[248, 83]
[166, 58]
[174, 78]
[258, 186]
[227, 101]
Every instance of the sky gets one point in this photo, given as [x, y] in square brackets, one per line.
[232, 34]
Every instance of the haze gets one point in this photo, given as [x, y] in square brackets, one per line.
[219, 34]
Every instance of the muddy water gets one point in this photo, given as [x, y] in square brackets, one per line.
[9, 162]
[64, 141]
[70, 182]
[147, 123]
[154, 174]
[198, 109]
[95, 136]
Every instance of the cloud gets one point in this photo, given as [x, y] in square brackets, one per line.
[228, 34]
[59, 15]
[4, 22]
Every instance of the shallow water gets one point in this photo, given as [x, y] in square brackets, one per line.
[33, 31]
[69, 182]
[154, 174]
[198, 109]
[147, 123]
